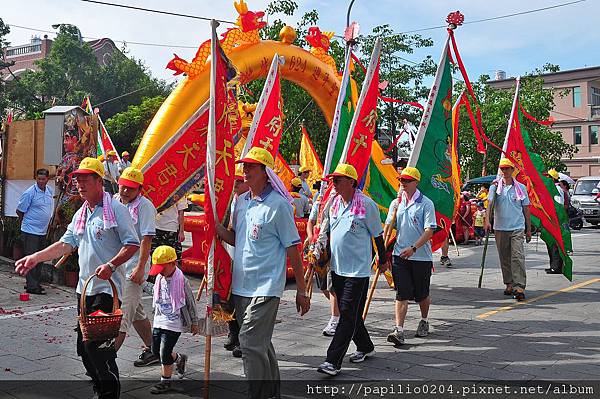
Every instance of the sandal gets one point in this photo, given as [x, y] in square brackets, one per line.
[508, 292]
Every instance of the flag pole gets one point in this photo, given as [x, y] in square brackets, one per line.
[210, 173]
[493, 202]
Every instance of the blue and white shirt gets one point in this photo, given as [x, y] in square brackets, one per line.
[264, 228]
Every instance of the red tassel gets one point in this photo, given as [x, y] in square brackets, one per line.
[548, 122]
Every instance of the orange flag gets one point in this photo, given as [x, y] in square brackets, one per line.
[283, 170]
[309, 158]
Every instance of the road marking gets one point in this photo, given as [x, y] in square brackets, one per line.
[537, 298]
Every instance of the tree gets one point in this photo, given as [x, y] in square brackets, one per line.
[126, 128]
[405, 80]
[4, 30]
[496, 105]
[71, 71]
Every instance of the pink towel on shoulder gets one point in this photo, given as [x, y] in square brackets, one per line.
[108, 215]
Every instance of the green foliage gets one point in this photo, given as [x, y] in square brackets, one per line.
[4, 30]
[126, 128]
[71, 71]
[405, 81]
[496, 105]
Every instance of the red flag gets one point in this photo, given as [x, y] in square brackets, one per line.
[179, 164]
[357, 150]
[267, 125]
[220, 172]
[546, 214]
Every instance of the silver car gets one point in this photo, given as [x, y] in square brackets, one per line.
[584, 197]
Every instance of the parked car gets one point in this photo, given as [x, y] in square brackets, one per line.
[584, 198]
[474, 185]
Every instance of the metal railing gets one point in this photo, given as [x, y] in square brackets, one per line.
[21, 50]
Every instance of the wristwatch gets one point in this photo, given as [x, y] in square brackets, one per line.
[414, 248]
[113, 268]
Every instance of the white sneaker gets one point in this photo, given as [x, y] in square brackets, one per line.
[329, 330]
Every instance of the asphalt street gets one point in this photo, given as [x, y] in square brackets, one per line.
[477, 334]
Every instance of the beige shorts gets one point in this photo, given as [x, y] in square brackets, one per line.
[131, 304]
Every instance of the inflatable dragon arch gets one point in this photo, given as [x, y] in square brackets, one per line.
[314, 71]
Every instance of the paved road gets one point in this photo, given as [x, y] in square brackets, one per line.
[477, 335]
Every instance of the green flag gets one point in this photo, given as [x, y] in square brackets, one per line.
[433, 153]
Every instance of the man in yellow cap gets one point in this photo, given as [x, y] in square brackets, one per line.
[353, 223]
[301, 202]
[111, 173]
[263, 233]
[303, 174]
[509, 202]
[412, 258]
[143, 215]
[124, 162]
[103, 245]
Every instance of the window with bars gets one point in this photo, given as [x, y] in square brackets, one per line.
[594, 134]
[594, 96]
[576, 96]
[577, 135]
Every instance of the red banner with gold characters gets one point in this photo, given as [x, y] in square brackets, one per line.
[357, 150]
[220, 171]
[180, 164]
[267, 125]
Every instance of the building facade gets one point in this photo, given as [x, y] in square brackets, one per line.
[576, 113]
[25, 55]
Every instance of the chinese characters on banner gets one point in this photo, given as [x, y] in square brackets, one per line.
[219, 179]
[267, 126]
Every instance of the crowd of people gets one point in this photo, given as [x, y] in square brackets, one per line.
[122, 238]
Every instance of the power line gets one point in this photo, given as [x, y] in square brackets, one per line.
[157, 11]
[206, 18]
[116, 41]
[498, 17]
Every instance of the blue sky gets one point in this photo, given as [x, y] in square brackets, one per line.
[568, 36]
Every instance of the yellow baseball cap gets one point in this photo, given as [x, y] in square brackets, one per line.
[90, 165]
[554, 174]
[112, 152]
[344, 169]
[258, 155]
[124, 154]
[505, 162]
[410, 173]
[160, 257]
[296, 182]
[131, 177]
[304, 169]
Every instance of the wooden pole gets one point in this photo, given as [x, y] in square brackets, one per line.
[202, 287]
[207, 350]
[485, 245]
[62, 260]
[371, 291]
[374, 283]
[454, 241]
